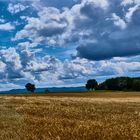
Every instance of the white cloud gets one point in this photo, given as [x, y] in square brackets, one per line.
[127, 2]
[2, 20]
[24, 66]
[2, 67]
[87, 25]
[15, 8]
[7, 26]
[130, 12]
[45, 29]
[118, 21]
[100, 3]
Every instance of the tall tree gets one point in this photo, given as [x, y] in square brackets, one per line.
[91, 84]
[30, 87]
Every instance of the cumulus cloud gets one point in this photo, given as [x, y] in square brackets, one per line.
[38, 4]
[103, 32]
[99, 22]
[16, 8]
[50, 71]
[7, 26]
[130, 12]
[46, 29]
[11, 62]
[2, 20]
[3, 66]
[24, 67]
[118, 21]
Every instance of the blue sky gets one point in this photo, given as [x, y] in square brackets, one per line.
[64, 43]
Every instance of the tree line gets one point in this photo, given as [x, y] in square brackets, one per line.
[118, 83]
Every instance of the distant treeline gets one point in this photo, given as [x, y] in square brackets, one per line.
[118, 83]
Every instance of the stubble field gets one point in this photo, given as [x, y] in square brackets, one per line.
[70, 116]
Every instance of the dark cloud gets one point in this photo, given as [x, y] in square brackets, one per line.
[108, 49]
[136, 18]
[113, 35]
[48, 32]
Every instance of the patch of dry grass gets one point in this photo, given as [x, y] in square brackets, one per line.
[92, 117]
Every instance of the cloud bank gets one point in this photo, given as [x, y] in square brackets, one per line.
[93, 26]
[99, 39]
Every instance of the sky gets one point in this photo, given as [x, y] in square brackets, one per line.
[54, 43]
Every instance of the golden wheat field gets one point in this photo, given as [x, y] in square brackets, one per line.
[70, 116]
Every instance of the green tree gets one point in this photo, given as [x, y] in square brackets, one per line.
[46, 90]
[87, 86]
[136, 85]
[30, 87]
[102, 86]
[91, 84]
[120, 83]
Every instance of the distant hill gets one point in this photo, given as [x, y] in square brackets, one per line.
[52, 89]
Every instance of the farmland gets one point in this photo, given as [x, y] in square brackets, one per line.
[70, 116]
